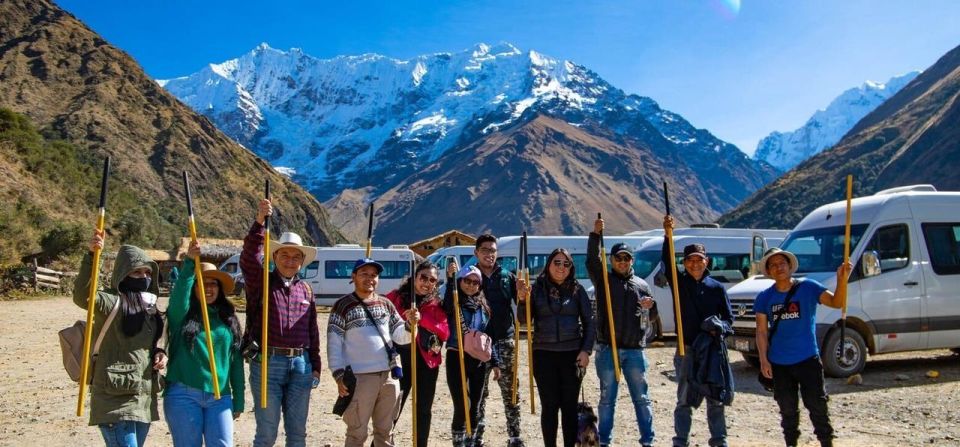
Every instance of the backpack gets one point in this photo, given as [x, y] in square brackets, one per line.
[478, 345]
[71, 346]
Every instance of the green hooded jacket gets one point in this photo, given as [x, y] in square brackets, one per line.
[124, 384]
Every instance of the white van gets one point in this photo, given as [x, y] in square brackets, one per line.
[731, 253]
[329, 273]
[902, 294]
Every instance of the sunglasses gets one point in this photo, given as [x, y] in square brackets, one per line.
[622, 258]
[562, 263]
[429, 279]
[472, 282]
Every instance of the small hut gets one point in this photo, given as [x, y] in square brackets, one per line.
[449, 239]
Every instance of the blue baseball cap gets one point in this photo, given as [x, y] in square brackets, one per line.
[363, 262]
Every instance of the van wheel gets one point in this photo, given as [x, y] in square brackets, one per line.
[752, 360]
[847, 361]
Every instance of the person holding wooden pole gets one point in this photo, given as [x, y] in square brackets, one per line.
[293, 349]
[192, 416]
[623, 328]
[787, 340]
[425, 353]
[700, 297]
[470, 318]
[500, 289]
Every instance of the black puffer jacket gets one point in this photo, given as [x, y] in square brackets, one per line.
[562, 318]
[625, 294]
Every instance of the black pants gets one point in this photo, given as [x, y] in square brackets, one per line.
[426, 389]
[475, 373]
[559, 388]
[808, 376]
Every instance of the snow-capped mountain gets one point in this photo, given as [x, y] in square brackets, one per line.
[370, 121]
[826, 127]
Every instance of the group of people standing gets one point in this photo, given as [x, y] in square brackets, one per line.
[370, 348]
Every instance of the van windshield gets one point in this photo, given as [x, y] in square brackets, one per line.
[821, 249]
[645, 261]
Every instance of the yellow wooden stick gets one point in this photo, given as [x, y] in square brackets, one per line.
[413, 350]
[533, 398]
[198, 273]
[463, 371]
[265, 309]
[606, 291]
[676, 291]
[198, 280]
[88, 331]
[92, 293]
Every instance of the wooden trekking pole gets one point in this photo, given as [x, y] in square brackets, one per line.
[92, 294]
[606, 292]
[463, 371]
[413, 347]
[846, 258]
[528, 308]
[515, 383]
[369, 231]
[198, 274]
[673, 275]
[265, 305]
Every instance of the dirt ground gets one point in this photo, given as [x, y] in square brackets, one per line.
[896, 404]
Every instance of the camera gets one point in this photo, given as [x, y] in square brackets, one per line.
[250, 350]
[396, 369]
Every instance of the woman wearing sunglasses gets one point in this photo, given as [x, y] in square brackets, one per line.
[432, 332]
[564, 332]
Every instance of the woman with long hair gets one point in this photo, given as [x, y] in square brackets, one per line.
[123, 392]
[193, 414]
[474, 316]
[432, 332]
[564, 332]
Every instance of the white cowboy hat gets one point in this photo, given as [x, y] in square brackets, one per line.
[776, 251]
[293, 240]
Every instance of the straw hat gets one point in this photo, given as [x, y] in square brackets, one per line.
[209, 270]
[776, 251]
[293, 240]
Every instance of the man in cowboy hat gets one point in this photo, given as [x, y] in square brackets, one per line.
[791, 357]
[293, 350]
[701, 297]
[363, 329]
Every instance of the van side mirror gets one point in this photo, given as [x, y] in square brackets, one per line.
[870, 263]
[660, 278]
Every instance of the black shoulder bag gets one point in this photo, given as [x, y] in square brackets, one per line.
[766, 383]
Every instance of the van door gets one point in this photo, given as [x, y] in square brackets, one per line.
[892, 300]
[942, 279]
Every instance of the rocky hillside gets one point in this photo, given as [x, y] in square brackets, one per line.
[78, 88]
[914, 137]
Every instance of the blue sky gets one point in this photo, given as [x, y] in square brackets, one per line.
[737, 69]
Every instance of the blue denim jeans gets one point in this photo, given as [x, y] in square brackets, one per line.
[683, 413]
[289, 381]
[125, 433]
[195, 417]
[633, 365]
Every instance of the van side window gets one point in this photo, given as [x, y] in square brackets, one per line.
[892, 243]
[310, 270]
[943, 246]
[343, 269]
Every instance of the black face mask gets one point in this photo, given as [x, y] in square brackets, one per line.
[130, 284]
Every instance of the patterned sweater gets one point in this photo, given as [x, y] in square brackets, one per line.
[354, 340]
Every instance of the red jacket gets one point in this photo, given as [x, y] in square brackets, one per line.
[432, 318]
